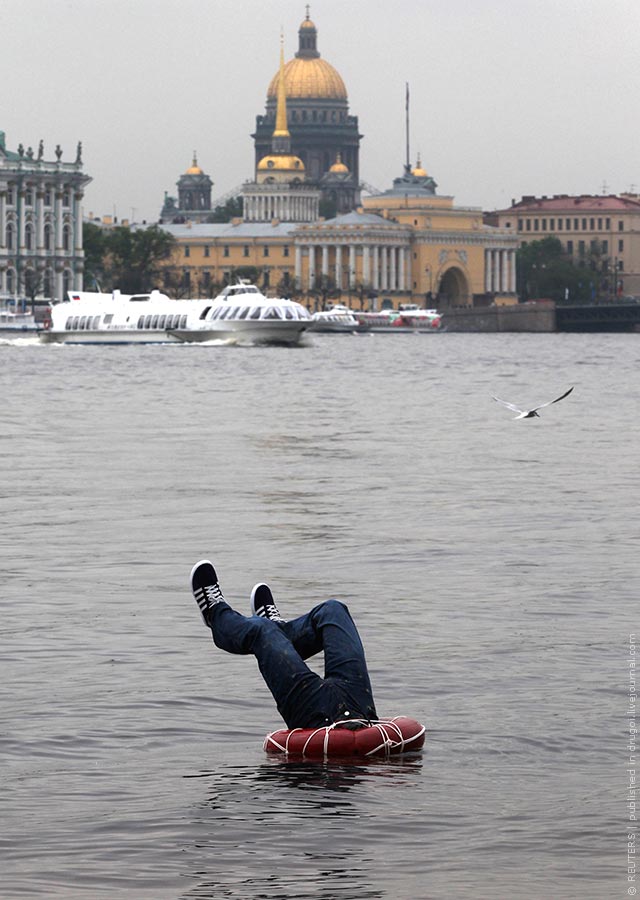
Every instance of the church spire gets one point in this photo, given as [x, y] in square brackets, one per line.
[281, 140]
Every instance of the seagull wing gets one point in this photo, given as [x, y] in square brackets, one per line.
[510, 405]
[542, 405]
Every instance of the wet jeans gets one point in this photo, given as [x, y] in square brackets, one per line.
[303, 698]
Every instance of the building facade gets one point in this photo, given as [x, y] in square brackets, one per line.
[601, 233]
[41, 253]
[407, 245]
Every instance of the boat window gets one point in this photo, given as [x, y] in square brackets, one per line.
[96, 323]
[147, 321]
[141, 322]
[169, 322]
[108, 319]
[154, 322]
[224, 313]
[162, 321]
[203, 314]
[69, 323]
[183, 322]
[272, 313]
[83, 323]
[244, 312]
[76, 319]
[288, 312]
[255, 313]
[215, 314]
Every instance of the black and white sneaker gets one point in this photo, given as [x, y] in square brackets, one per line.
[263, 604]
[205, 587]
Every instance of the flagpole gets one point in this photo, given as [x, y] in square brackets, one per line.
[408, 163]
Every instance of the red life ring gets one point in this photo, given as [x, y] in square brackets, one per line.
[383, 737]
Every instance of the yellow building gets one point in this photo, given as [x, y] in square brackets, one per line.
[599, 232]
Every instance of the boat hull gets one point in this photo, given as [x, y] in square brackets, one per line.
[257, 332]
[115, 336]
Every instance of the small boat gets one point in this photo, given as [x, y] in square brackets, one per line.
[92, 317]
[17, 324]
[241, 313]
[407, 319]
[338, 319]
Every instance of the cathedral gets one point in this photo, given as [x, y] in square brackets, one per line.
[323, 134]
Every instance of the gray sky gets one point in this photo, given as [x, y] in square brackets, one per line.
[508, 97]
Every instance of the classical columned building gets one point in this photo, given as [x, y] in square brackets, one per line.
[354, 252]
[455, 259]
[289, 203]
[41, 251]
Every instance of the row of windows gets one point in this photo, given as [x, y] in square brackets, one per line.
[247, 312]
[226, 251]
[565, 224]
[595, 246]
[162, 322]
[44, 283]
[316, 115]
[92, 323]
[29, 197]
[29, 237]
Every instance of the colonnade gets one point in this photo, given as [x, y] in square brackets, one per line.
[293, 206]
[500, 271]
[45, 238]
[384, 267]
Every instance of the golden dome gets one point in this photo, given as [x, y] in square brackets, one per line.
[308, 24]
[194, 168]
[309, 78]
[339, 166]
[281, 162]
[419, 172]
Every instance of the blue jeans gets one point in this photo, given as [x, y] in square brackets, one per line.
[303, 698]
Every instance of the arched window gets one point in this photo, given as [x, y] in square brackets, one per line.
[9, 236]
[66, 238]
[67, 281]
[10, 281]
[47, 283]
[47, 237]
[28, 236]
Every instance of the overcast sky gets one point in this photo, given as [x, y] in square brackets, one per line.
[508, 97]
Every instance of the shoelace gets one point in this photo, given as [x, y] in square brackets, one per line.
[208, 595]
[213, 592]
[270, 611]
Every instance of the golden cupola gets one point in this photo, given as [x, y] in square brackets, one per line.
[339, 167]
[307, 76]
[419, 172]
[194, 168]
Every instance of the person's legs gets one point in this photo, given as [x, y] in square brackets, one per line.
[329, 627]
[304, 700]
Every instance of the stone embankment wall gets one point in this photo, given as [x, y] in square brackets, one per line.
[540, 317]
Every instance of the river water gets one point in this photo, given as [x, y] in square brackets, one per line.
[490, 564]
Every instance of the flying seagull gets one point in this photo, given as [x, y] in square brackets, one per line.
[530, 413]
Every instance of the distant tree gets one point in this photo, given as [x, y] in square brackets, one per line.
[130, 260]
[546, 271]
[232, 209]
[95, 250]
